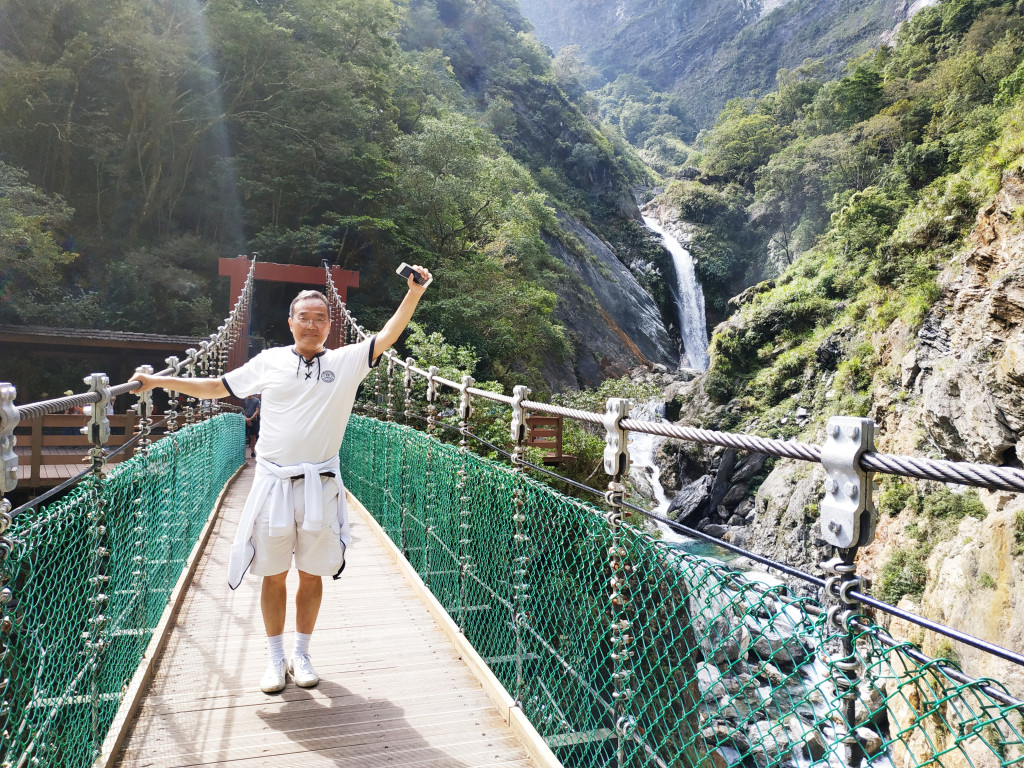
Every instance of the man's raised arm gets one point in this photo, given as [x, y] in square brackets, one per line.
[393, 328]
[204, 389]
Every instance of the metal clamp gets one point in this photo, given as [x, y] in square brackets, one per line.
[848, 515]
[431, 384]
[616, 439]
[465, 406]
[98, 428]
[407, 379]
[518, 425]
[144, 408]
[9, 418]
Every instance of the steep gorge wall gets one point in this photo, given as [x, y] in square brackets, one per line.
[959, 396]
[950, 389]
[711, 52]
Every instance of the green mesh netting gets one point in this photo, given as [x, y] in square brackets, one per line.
[721, 671]
[89, 576]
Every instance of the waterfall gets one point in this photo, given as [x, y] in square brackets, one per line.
[692, 325]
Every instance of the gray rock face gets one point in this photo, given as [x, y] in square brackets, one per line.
[613, 325]
[626, 308]
[692, 501]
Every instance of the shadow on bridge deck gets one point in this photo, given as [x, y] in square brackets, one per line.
[394, 690]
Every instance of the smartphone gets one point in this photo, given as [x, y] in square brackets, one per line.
[405, 271]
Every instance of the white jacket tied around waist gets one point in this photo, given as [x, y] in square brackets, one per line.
[273, 486]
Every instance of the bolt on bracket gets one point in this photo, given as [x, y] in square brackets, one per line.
[465, 406]
[518, 425]
[9, 418]
[98, 428]
[616, 439]
[848, 514]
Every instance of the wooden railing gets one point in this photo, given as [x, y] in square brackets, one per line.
[545, 432]
[52, 449]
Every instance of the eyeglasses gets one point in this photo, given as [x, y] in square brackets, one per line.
[310, 321]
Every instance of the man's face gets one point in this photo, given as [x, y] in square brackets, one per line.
[310, 324]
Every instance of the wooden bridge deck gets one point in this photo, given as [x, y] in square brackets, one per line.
[394, 689]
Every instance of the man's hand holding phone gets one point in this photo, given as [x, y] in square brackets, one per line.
[418, 277]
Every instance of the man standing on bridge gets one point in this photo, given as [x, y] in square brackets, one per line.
[297, 501]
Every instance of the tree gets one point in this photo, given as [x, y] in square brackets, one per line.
[32, 257]
[740, 142]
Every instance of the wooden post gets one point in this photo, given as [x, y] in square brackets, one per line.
[37, 451]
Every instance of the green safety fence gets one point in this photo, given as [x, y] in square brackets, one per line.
[89, 577]
[711, 668]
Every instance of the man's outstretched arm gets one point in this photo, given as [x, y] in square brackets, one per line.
[204, 389]
[393, 328]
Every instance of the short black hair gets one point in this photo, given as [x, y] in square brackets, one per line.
[303, 295]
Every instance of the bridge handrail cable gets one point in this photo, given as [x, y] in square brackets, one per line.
[959, 472]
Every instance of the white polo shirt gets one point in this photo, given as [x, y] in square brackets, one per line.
[304, 411]
[305, 405]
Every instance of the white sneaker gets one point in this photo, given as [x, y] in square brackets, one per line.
[302, 672]
[274, 678]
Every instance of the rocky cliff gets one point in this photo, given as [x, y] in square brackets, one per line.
[613, 323]
[711, 52]
[953, 391]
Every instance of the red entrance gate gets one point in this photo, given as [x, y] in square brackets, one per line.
[238, 269]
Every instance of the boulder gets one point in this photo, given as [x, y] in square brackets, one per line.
[693, 501]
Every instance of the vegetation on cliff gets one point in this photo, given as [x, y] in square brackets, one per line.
[858, 191]
[142, 141]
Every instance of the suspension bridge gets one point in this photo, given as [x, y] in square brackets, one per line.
[486, 619]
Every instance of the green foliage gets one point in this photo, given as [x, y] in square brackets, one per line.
[949, 507]
[875, 181]
[985, 581]
[904, 574]
[32, 259]
[1018, 534]
[895, 495]
[741, 142]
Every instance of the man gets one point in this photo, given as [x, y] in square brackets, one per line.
[251, 411]
[297, 502]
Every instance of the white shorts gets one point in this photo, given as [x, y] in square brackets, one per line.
[318, 553]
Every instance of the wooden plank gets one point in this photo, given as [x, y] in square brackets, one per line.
[37, 442]
[393, 690]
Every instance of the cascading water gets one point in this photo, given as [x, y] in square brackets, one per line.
[799, 729]
[692, 323]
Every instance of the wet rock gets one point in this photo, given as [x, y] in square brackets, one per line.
[726, 465]
[869, 740]
[724, 757]
[784, 651]
[718, 531]
[721, 642]
[740, 537]
[736, 521]
[746, 508]
[693, 501]
[811, 739]
[735, 495]
[721, 734]
[770, 741]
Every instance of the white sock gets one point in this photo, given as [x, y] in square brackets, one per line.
[302, 644]
[275, 645]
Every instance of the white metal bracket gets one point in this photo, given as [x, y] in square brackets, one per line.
[848, 513]
[616, 439]
[9, 418]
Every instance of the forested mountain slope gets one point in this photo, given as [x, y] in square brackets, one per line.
[707, 53]
[888, 203]
[141, 141]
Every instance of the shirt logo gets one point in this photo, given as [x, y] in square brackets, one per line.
[327, 376]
